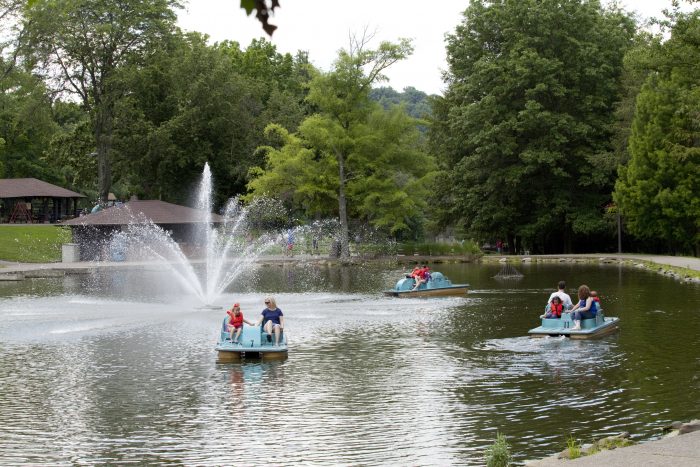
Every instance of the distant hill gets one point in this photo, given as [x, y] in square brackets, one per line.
[416, 101]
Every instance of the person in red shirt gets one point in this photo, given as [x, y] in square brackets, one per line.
[235, 322]
[421, 276]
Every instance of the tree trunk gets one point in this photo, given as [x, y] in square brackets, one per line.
[342, 208]
[103, 140]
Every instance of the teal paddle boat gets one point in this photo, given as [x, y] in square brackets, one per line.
[437, 285]
[590, 328]
[252, 343]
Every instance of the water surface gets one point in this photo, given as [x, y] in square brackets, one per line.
[119, 367]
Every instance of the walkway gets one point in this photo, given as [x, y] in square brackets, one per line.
[677, 451]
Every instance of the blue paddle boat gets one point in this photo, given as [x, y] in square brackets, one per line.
[252, 343]
[590, 328]
[437, 285]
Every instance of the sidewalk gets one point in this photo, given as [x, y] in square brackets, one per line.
[677, 451]
[688, 262]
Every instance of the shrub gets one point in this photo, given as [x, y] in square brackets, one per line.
[498, 454]
[574, 447]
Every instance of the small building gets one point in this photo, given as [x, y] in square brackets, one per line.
[28, 200]
[92, 231]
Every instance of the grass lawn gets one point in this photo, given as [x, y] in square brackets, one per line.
[32, 243]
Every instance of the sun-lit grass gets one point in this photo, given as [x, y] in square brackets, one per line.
[32, 243]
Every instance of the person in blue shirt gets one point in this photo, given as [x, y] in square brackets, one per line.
[586, 307]
[272, 320]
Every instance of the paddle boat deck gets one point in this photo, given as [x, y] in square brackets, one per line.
[252, 343]
[590, 328]
[438, 285]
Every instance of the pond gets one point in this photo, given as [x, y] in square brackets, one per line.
[119, 367]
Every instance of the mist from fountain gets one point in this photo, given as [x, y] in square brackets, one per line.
[229, 249]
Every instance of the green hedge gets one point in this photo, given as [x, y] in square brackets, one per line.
[32, 243]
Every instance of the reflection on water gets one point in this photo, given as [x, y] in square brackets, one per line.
[120, 368]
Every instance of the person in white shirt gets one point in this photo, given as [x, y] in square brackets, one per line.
[565, 298]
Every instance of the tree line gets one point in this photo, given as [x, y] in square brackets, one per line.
[561, 120]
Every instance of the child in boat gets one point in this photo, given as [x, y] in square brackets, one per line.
[421, 276]
[555, 308]
[235, 322]
[596, 299]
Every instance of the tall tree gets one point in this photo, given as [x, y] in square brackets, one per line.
[82, 46]
[342, 99]
[524, 129]
[388, 172]
[659, 189]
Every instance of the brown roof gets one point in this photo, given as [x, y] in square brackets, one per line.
[159, 212]
[33, 188]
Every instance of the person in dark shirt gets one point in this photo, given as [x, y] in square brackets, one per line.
[272, 320]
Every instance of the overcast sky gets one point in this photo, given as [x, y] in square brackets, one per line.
[322, 27]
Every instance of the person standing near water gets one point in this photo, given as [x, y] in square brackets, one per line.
[272, 320]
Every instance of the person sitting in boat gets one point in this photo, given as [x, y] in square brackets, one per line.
[554, 309]
[414, 273]
[586, 307]
[421, 276]
[596, 299]
[272, 320]
[561, 293]
[235, 322]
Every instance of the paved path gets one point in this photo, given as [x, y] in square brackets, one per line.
[677, 451]
[688, 262]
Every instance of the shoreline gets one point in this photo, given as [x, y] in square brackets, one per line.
[683, 268]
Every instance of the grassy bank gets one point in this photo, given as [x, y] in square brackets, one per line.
[32, 243]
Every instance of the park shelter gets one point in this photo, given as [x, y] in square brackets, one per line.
[92, 231]
[30, 200]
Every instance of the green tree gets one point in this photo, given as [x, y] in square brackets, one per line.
[193, 102]
[524, 130]
[83, 46]
[342, 99]
[26, 126]
[388, 172]
[658, 191]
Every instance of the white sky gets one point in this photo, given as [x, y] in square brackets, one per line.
[322, 27]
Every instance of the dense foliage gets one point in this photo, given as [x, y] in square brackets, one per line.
[524, 130]
[552, 110]
[659, 189]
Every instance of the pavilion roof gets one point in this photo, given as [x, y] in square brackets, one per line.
[137, 211]
[33, 188]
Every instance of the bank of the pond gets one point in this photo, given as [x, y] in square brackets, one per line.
[682, 268]
[676, 451]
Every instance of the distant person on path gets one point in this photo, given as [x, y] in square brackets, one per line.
[314, 244]
[565, 298]
[586, 307]
[272, 320]
[290, 243]
[235, 322]
[499, 246]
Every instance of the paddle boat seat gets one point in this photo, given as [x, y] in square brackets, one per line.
[590, 328]
[566, 321]
[251, 336]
